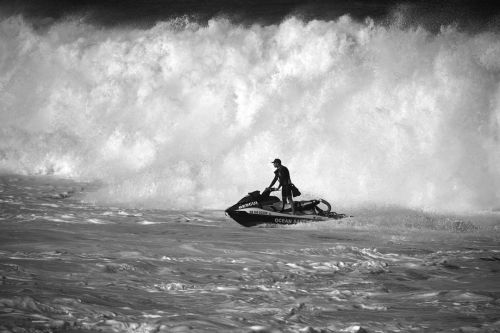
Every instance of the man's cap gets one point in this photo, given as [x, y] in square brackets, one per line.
[276, 160]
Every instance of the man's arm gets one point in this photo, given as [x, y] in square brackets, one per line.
[274, 181]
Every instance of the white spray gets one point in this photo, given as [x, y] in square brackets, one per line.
[182, 115]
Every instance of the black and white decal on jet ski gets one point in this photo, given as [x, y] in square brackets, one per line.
[262, 208]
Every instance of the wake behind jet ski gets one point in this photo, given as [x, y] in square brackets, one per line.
[263, 208]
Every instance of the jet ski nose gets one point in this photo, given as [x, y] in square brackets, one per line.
[229, 210]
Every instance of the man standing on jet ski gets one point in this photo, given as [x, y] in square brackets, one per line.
[283, 175]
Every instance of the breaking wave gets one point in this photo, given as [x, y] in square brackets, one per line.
[183, 113]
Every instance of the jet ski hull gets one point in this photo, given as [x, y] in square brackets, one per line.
[250, 217]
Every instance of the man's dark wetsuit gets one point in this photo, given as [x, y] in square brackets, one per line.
[283, 175]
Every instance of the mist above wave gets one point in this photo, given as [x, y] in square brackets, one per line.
[180, 113]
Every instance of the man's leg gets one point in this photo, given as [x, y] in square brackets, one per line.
[290, 199]
[283, 199]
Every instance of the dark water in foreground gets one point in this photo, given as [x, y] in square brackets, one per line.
[67, 265]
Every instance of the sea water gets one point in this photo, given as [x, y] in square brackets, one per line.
[122, 144]
[71, 265]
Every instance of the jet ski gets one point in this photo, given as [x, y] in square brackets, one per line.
[263, 208]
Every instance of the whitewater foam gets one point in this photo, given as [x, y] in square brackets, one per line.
[183, 114]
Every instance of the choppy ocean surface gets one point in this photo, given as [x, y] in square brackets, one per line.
[69, 265]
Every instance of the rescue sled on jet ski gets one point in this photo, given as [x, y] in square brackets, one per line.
[263, 208]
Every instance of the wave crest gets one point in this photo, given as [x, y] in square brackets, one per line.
[183, 113]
